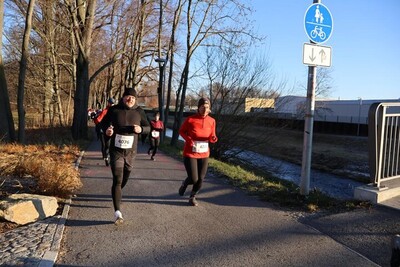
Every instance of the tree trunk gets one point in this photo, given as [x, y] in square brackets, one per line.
[7, 130]
[48, 86]
[73, 76]
[22, 72]
[179, 112]
[137, 47]
[184, 79]
[79, 124]
[56, 95]
[171, 49]
[83, 17]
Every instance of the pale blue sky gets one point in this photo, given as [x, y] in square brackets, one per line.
[365, 44]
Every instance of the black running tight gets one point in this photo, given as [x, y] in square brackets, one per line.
[121, 167]
[196, 170]
[154, 144]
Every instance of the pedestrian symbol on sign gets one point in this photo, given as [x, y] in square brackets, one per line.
[319, 17]
[318, 23]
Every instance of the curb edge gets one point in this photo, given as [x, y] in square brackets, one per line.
[49, 258]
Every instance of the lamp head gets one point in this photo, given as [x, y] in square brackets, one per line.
[161, 61]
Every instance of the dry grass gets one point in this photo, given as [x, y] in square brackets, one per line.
[49, 166]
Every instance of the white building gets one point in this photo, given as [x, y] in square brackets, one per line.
[351, 111]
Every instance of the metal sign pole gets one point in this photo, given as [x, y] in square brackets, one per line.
[308, 128]
[308, 131]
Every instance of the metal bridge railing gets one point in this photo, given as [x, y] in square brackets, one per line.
[384, 142]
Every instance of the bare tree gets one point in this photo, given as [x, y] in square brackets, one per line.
[136, 44]
[113, 44]
[48, 85]
[48, 44]
[242, 89]
[171, 56]
[22, 72]
[204, 20]
[323, 88]
[324, 84]
[7, 131]
[62, 65]
[82, 13]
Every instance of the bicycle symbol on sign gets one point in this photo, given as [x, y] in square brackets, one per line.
[318, 32]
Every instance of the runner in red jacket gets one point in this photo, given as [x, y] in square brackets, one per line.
[104, 139]
[198, 131]
[157, 127]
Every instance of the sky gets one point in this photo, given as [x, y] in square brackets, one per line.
[365, 45]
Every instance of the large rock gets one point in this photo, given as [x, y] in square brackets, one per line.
[27, 208]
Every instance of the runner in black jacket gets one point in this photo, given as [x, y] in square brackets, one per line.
[123, 123]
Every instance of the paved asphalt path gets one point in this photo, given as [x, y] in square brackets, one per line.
[229, 228]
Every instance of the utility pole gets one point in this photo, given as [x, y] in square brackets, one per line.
[359, 115]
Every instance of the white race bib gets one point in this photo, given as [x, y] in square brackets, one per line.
[124, 141]
[200, 147]
[155, 134]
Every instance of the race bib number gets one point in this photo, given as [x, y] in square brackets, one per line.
[200, 147]
[124, 141]
[155, 134]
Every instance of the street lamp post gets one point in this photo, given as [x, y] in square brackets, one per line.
[160, 90]
[359, 116]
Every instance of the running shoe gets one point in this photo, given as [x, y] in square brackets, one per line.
[107, 161]
[193, 201]
[118, 217]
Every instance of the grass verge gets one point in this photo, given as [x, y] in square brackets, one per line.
[272, 189]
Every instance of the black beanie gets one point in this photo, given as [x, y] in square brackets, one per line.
[130, 91]
[202, 101]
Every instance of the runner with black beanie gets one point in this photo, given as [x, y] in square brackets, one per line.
[123, 123]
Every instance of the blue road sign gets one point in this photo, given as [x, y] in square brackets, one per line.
[318, 23]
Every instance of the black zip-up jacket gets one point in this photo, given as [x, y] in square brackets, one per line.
[122, 119]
